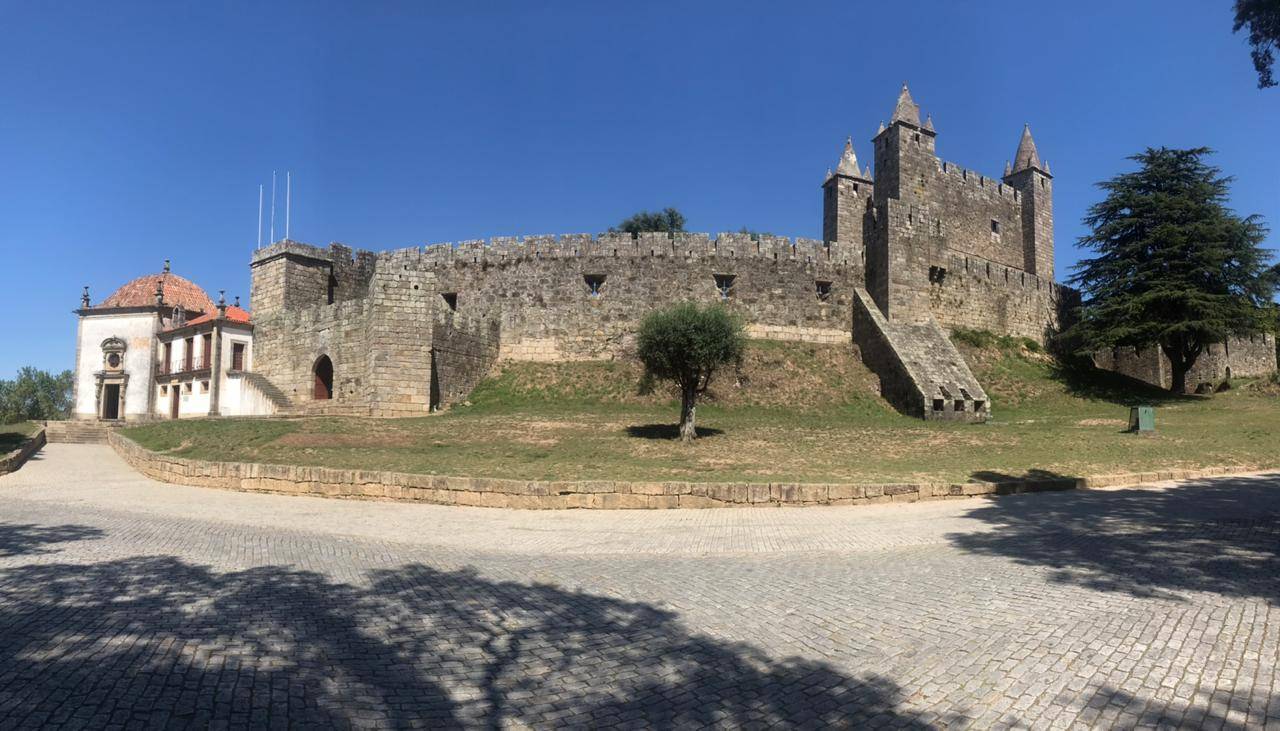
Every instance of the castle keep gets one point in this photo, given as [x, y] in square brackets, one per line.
[909, 253]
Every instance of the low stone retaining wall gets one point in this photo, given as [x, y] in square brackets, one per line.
[542, 495]
[18, 457]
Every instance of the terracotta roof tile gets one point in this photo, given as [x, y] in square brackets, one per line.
[141, 292]
[234, 314]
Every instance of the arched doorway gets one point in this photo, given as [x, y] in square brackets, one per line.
[323, 371]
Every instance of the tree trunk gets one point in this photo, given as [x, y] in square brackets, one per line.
[1179, 377]
[1182, 356]
[688, 403]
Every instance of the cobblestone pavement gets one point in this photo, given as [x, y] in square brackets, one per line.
[125, 602]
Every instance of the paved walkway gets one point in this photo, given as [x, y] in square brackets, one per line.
[129, 602]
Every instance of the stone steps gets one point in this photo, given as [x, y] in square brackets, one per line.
[78, 432]
[921, 372]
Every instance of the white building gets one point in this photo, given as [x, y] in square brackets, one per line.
[159, 348]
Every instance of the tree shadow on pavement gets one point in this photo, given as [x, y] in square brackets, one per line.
[1217, 535]
[21, 539]
[165, 642]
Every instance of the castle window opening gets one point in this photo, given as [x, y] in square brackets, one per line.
[959, 405]
[333, 287]
[977, 405]
[823, 290]
[995, 226]
[451, 299]
[323, 387]
[916, 137]
[594, 283]
[724, 284]
[939, 404]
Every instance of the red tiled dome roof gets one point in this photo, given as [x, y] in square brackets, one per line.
[178, 291]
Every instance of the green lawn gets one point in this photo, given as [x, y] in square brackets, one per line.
[12, 435]
[794, 413]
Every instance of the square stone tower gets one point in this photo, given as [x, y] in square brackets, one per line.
[906, 236]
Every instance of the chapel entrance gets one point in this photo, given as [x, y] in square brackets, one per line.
[323, 388]
[111, 401]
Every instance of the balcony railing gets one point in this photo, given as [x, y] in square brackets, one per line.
[195, 365]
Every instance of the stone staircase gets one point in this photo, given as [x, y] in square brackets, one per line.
[269, 391]
[78, 432]
[921, 372]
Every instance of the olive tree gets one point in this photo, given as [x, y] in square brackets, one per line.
[685, 344]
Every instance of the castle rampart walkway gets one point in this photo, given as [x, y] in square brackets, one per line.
[129, 601]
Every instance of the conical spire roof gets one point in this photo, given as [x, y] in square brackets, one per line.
[1027, 156]
[906, 109]
[848, 160]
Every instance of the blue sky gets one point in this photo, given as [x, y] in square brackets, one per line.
[131, 133]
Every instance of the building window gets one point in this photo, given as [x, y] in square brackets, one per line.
[207, 355]
[333, 287]
[187, 387]
[451, 299]
[823, 289]
[190, 356]
[995, 226]
[237, 356]
[594, 283]
[164, 390]
[204, 387]
[724, 284]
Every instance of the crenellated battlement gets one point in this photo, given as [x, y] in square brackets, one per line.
[959, 175]
[565, 246]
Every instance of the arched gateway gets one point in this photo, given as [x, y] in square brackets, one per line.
[323, 371]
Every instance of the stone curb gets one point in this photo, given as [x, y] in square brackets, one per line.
[540, 495]
[14, 460]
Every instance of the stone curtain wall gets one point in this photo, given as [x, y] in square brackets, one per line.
[525, 298]
[979, 294]
[540, 294]
[1246, 357]
[462, 352]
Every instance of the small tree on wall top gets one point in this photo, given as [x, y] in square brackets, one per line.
[668, 220]
[1175, 266]
[686, 344]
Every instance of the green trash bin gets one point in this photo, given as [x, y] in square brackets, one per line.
[1142, 419]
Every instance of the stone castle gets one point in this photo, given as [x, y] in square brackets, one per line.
[921, 248]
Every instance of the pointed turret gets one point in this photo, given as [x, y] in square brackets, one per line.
[928, 122]
[866, 173]
[848, 160]
[1026, 157]
[1007, 168]
[880, 129]
[906, 109]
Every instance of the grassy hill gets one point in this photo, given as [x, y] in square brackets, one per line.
[794, 412]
